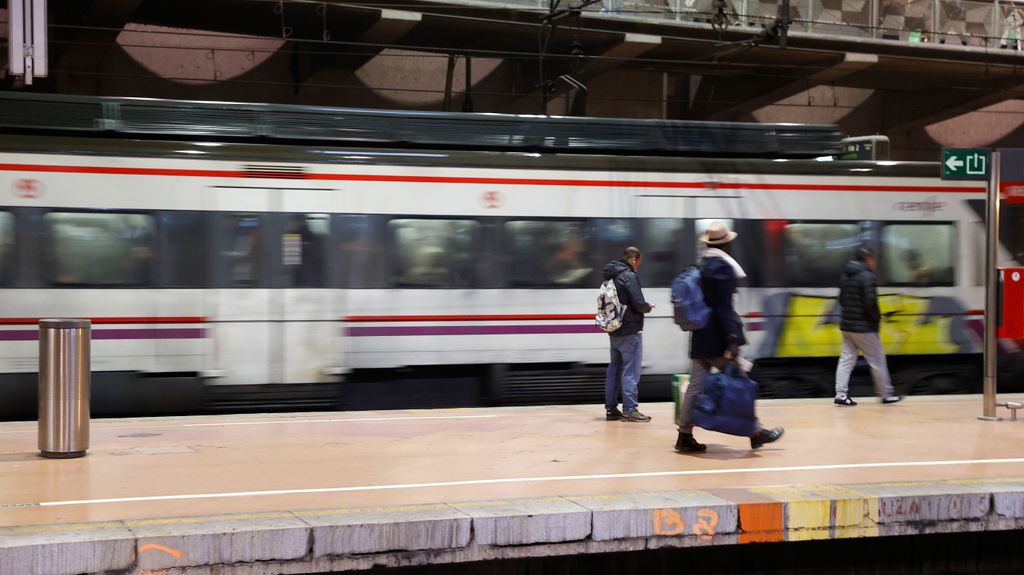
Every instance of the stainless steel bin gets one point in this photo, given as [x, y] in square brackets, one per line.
[64, 387]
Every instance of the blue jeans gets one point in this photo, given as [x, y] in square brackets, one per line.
[624, 371]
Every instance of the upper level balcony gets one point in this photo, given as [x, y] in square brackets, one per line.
[986, 25]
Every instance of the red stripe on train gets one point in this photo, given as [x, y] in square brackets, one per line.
[109, 320]
[506, 317]
[487, 181]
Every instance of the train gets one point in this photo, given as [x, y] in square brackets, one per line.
[226, 272]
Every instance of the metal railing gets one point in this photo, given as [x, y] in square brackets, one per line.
[988, 24]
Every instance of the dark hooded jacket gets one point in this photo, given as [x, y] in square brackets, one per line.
[858, 299]
[627, 284]
[724, 328]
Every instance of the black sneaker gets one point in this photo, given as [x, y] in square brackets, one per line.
[892, 399]
[766, 436]
[686, 442]
[612, 414]
[845, 402]
[635, 416]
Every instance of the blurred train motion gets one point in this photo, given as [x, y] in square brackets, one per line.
[256, 257]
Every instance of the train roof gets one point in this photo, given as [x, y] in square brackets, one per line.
[252, 155]
[23, 112]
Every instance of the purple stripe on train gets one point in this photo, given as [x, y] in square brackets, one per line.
[361, 331]
[179, 333]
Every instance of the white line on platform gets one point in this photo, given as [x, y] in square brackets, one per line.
[142, 425]
[339, 420]
[524, 480]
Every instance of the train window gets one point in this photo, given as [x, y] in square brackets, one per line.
[610, 238]
[665, 251]
[102, 249]
[363, 262]
[918, 254]
[549, 253]
[241, 249]
[6, 246]
[182, 250]
[434, 253]
[302, 249]
[815, 253]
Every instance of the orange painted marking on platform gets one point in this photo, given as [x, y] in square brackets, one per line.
[761, 522]
[668, 522]
[155, 547]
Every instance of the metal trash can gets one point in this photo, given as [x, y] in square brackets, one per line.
[64, 387]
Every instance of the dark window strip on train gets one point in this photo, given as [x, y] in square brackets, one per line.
[65, 248]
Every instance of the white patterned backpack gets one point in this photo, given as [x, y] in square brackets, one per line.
[610, 310]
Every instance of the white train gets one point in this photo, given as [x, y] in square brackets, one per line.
[225, 274]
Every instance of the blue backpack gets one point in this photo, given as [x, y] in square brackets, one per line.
[727, 403]
[691, 313]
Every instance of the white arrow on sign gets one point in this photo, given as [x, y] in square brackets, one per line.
[954, 163]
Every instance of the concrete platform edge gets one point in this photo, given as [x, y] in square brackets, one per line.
[311, 541]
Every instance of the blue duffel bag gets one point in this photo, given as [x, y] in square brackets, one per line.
[727, 403]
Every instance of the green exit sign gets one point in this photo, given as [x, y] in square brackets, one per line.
[966, 164]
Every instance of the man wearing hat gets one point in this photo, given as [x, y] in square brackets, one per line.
[718, 342]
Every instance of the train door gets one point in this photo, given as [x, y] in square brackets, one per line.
[240, 307]
[272, 310]
[667, 242]
[308, 307]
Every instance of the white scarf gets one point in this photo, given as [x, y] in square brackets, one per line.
[717, 253]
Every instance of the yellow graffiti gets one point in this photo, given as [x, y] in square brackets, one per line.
[905, 328]
[805, 332]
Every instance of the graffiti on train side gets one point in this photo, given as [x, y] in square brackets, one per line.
[798, 325]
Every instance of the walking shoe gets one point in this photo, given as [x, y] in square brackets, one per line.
[612, 414]
[844, 402]
[635, 415]
[686, 442]
[765, 436]
[892, 399]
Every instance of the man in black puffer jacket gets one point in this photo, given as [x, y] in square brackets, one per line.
[717, 343]
[860, 319]
[627, 345]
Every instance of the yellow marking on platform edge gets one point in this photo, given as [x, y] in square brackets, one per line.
[64, 527]
[392, 509]
[615, 496]
[856, 517]
[808, 520]
[807, 514]
[206, 519]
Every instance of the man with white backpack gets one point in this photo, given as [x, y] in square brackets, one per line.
[621, 308]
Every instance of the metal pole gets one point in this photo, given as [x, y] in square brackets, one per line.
[64, 382]
[991, 292]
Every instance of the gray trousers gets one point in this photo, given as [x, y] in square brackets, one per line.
[871, 346]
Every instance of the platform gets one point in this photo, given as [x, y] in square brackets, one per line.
[321, 492]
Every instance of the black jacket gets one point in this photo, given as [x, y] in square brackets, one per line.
[858, 299]
[627, 283]
[724, 328]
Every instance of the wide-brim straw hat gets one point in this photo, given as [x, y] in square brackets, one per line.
[718, 233]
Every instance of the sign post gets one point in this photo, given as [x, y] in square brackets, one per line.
[980, 164]
[988, 407]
